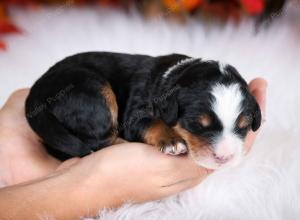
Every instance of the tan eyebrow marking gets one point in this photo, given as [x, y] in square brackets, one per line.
[243, 121]
[205, 120]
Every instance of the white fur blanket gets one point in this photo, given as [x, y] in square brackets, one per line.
[267, 185]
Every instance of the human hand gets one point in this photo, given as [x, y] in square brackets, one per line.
[23, 157]
[80, 187]
[132, 172]
[258, 88]
[146, 169]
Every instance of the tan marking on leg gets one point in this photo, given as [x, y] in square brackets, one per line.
[157, 132]
[119, 141]
[165, 138]
[197, 146]
[111, 102]
[205, 120]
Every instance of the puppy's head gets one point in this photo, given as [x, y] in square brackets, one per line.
[214, 111]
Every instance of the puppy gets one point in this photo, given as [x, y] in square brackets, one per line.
[176, 103]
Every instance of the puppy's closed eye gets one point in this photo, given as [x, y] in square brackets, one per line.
[205, 120]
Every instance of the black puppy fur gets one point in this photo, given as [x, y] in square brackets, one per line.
[73, 107]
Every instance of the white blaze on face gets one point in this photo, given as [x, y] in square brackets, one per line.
[227, 106]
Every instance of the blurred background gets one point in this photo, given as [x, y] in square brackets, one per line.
[259, 37]
[178, 10]
[34, 34]
[37, 33]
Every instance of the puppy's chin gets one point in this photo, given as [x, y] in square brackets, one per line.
[210, 163]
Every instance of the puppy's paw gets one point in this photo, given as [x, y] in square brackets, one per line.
[165, 138]
[174, 148]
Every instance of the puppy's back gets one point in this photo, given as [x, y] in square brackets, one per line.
[67, 110]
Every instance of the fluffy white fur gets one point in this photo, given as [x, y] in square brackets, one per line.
[266, 186]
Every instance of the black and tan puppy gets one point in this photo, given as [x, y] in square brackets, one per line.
[176, 103]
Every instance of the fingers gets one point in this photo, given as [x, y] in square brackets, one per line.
[17, 95]
[185, 184]
[15, 103]
[186, 168]
[257, 83]
[184, 173]
[20, 92]
[258, 88]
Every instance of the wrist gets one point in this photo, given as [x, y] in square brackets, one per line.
[89, 187]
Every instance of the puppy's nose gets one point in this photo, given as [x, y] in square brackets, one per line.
[222, 159]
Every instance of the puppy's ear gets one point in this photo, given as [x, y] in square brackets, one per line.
[256, 117]
[168, 108]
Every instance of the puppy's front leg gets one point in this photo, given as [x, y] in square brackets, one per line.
[160, 135]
